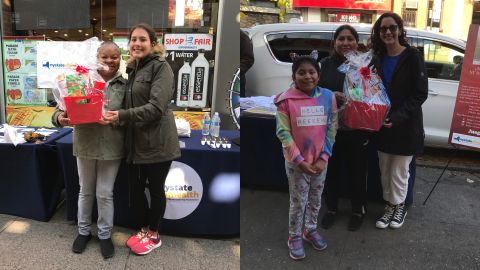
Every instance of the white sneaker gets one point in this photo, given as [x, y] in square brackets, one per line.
[399, 217]
[384, 221]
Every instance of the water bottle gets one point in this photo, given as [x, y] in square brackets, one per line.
[206, 124]
[199, 81]
[215, 128]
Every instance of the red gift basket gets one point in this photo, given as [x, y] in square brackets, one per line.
[84, 109]
[365, 116]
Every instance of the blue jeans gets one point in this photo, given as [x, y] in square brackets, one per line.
[305, 198]
[96, 178]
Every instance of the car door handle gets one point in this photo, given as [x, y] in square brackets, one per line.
[431, 92]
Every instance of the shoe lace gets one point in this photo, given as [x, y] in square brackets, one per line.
[399, 213]
[388, 212]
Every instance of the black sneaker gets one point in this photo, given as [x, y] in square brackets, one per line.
[328, 219]
[355, 222]
[384, 221]
[107, 248]
[399, 217]
[80, 243]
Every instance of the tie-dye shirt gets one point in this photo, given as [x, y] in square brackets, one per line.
[306, 125]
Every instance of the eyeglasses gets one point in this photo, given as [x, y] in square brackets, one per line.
[392, 28]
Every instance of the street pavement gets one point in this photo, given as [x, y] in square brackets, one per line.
[443, 234]
[29, 244]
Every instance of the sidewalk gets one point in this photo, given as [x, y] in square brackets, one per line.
[29, 244]
[443, 234]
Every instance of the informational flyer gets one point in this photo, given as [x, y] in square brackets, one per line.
[20, 67]
[465, 128]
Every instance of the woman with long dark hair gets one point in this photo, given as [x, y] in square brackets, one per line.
[404, 75]
[151, 135]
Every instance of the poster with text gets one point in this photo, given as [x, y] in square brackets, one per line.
[183, 55]
[465, 128]
[20, 67]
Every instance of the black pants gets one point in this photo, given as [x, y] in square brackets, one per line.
[348, 162]
[156, 174]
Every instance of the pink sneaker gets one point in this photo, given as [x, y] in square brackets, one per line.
[146, 245]
[135, 238]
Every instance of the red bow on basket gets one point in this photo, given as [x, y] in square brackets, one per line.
[365, 71]
[81, 69]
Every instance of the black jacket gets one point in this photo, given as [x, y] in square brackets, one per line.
[330, 77]
[407, 92]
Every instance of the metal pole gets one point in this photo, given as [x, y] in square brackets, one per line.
[444, 169]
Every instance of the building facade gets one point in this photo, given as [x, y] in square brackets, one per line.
[449, 17]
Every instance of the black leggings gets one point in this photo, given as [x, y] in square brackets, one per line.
[155, 173]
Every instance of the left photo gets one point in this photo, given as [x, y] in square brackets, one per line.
[120, 134]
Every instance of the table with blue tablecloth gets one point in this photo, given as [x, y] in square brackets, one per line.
[263, 165]
[31, 180]
[215, 215]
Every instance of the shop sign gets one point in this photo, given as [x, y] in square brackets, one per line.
[348, 17]
[188, 42]
[465, 127]
[345, 4]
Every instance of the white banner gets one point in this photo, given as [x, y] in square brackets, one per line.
[56, 57]
[188, 42]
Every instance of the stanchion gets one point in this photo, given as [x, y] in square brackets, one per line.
[444, 169]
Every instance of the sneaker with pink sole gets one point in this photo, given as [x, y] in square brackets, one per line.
[146, 245]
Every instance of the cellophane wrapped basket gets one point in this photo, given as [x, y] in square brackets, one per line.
[367, 101]
[80, 94]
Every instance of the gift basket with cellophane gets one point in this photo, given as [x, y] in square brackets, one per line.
[80, 93]
[367, 101]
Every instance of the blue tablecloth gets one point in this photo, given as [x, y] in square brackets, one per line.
[263, 165]
[210, 218]
[31, 180]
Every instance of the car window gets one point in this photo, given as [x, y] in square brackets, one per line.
[363, 42]
[302, 43]
[443, 61]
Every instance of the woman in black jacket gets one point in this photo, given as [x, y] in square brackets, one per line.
[404, 75]
[350, 148]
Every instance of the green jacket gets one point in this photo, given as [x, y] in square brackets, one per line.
[95, 141]
[151, 134]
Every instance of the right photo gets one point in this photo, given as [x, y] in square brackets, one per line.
[360, 134]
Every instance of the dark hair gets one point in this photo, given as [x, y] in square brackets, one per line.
[304, 59]
[146, 27]
[345, 27]
[107, 43]
[377, 44]
[337, 33]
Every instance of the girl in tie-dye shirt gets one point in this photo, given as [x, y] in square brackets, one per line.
[306, 127]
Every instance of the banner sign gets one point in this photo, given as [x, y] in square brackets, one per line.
[56, 57]
[465, 127]
[346, 4]
[188, 42]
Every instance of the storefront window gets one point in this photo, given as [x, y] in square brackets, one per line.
[184, 27]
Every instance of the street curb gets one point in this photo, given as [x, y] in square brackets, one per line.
[451, 167]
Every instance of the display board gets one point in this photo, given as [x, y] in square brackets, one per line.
[465, 127]
[26, 104]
